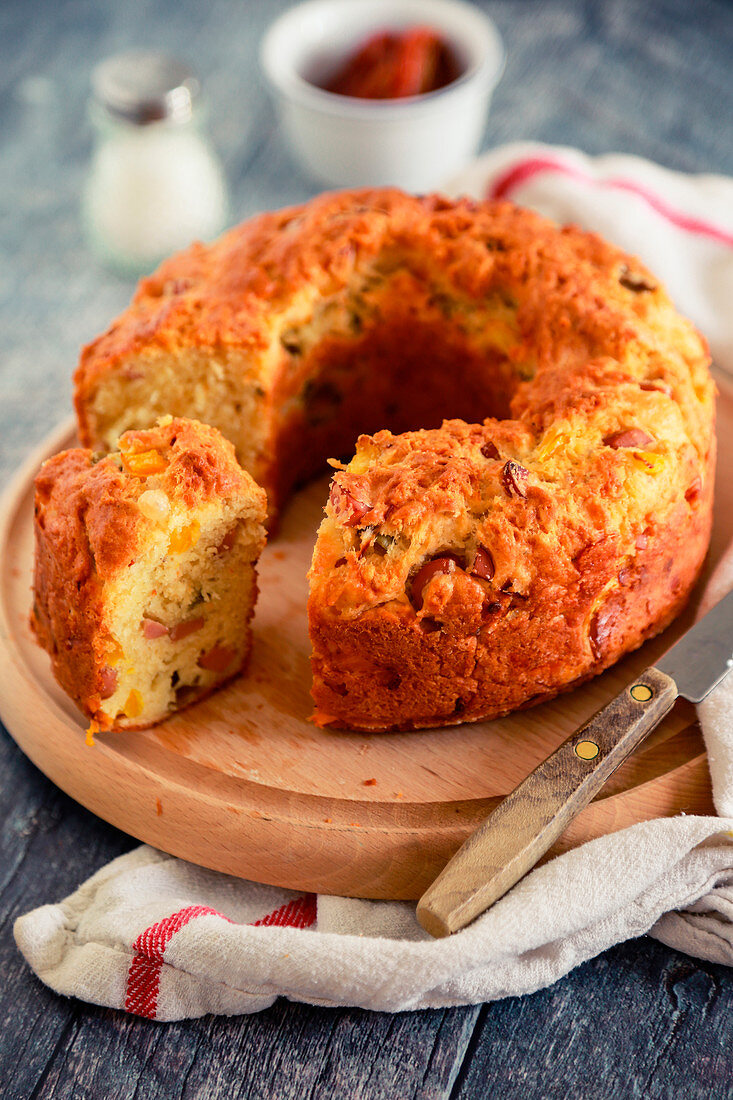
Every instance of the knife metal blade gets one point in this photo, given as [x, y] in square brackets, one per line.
[704, 655]
[530, 819]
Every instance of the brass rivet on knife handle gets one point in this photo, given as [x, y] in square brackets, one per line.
[529, 820]
[587, 750]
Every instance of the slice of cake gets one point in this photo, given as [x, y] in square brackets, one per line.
[145, 578]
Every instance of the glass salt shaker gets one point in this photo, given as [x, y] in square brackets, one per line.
[155, 184]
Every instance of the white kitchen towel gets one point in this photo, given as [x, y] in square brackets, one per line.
[165, 939]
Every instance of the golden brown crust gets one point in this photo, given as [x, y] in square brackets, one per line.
[81, 536]
[200, 464]
[226, 292]
[580, 308]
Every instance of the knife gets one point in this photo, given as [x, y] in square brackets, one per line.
[530, 819]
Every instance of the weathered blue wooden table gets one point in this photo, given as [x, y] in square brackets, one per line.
[641, 1020]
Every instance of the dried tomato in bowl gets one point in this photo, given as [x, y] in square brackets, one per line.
[395, 64]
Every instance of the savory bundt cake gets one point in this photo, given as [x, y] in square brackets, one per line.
[145, 571]
[466, 570]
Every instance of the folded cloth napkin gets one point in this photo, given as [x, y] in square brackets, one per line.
[168, 940]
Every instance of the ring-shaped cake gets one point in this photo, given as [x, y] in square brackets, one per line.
[536, 500]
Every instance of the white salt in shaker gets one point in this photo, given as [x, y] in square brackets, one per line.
[155, 185]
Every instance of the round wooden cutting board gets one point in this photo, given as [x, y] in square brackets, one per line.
[244, 783]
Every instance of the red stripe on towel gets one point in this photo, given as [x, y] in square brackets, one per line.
[298, 913]
[525, 170]
[143, 976]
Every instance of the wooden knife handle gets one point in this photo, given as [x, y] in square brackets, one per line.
[529, 820]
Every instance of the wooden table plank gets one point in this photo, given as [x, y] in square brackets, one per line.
[639, 1021]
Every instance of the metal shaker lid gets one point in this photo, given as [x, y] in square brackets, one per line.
[143, 87]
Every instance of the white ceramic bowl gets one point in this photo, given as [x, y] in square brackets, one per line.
[416, 142]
